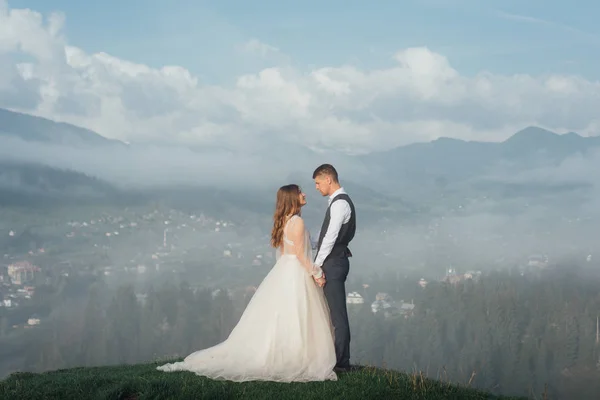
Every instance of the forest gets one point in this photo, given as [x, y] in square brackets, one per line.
[508, 332]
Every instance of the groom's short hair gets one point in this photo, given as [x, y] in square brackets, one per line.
[326, 169]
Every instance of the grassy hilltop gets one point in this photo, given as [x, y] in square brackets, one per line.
[137, 382]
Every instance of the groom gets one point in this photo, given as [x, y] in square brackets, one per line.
[332, 255]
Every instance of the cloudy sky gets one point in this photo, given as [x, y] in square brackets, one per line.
[337, 74]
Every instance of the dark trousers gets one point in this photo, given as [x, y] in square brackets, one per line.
[336, 272]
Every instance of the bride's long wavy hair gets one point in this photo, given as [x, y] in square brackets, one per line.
[286, 205]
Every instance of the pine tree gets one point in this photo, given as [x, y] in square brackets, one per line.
[50, 357]
[93, 338]
[153, 328]
[222, 315]
[571, 349]
[4, 326]
[123, 319]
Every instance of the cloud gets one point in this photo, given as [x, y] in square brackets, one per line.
[550, 24]
[255, 46]
[420, 96]
[137, 166]
[523, 18]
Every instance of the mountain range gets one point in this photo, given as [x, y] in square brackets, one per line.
[449, 160]
[532, 146]
[36, 129]
[399, 178]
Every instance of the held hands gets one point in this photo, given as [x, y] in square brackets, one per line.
[320, 281]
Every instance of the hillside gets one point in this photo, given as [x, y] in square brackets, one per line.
[36, 129]
[405, 183]
[448, 161]
[35, 185]
[144, 382]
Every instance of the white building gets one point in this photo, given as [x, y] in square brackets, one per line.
[383, 302]
[380, 305]
[21, 272]
[354, 298]
[537, 260]
[407, 309]
[381, 296]
[475, 275]
[141, 298]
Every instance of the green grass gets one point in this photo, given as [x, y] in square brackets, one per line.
[137, 382]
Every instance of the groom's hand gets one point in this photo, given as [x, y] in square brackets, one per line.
[321, 281]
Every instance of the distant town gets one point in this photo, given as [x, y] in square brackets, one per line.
[143, 247]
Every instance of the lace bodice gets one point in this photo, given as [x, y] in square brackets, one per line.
[288, 244]
[296, 241]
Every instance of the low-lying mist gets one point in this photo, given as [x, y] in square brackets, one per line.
[143, 166]
[502, 215]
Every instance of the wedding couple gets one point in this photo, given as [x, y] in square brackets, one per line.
[295, 328]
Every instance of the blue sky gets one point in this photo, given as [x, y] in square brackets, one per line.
[506, 37]
[350, 75]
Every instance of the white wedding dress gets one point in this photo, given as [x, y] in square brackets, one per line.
[285, 333]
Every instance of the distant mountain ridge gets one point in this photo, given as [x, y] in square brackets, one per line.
[33, 185]
[527, 141]
[37, 129]
[400, 180]
[453, 160]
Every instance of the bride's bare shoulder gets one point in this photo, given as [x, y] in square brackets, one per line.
[298, 222]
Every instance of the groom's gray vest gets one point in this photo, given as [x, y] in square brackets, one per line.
[347, 230]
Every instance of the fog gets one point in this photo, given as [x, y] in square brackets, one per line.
[520, 205]
[553, 208]
[144, 165]
[513, 225]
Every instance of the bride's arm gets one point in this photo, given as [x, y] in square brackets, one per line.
[298, 236]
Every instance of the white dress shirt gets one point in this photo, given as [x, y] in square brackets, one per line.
[339, 214]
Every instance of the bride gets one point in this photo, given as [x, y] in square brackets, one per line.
[285, 333]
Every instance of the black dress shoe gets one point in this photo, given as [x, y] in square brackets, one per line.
[342, 369]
